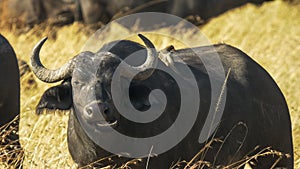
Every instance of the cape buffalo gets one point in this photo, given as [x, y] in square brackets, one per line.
[95, 11]
[255, 115]
[31, 12]
[206, 9]
[9, 104]
[10, 85]
[61, 12]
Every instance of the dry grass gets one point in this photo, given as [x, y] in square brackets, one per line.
[269, 33]
[198, 163]
[11, 154]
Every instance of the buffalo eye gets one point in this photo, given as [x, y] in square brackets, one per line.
[77, 83]
[88, 112]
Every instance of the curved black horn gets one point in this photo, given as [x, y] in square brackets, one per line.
[151, 61]
[45, 74]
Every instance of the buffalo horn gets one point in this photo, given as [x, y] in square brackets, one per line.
[144, 70]
[45, 74]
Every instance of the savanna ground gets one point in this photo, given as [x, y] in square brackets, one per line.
[270, 34]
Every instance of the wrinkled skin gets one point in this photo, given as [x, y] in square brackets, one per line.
[9, 103]
[255, 113]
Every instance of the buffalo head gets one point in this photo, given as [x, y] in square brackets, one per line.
[90, 73]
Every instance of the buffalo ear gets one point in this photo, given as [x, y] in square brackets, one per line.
[56, 98]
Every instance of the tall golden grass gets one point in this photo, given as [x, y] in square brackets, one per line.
[270, 34]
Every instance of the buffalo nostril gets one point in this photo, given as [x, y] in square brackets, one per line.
[106, 110]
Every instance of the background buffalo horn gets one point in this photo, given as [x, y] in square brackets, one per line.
[45, 74]
[151, 62]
